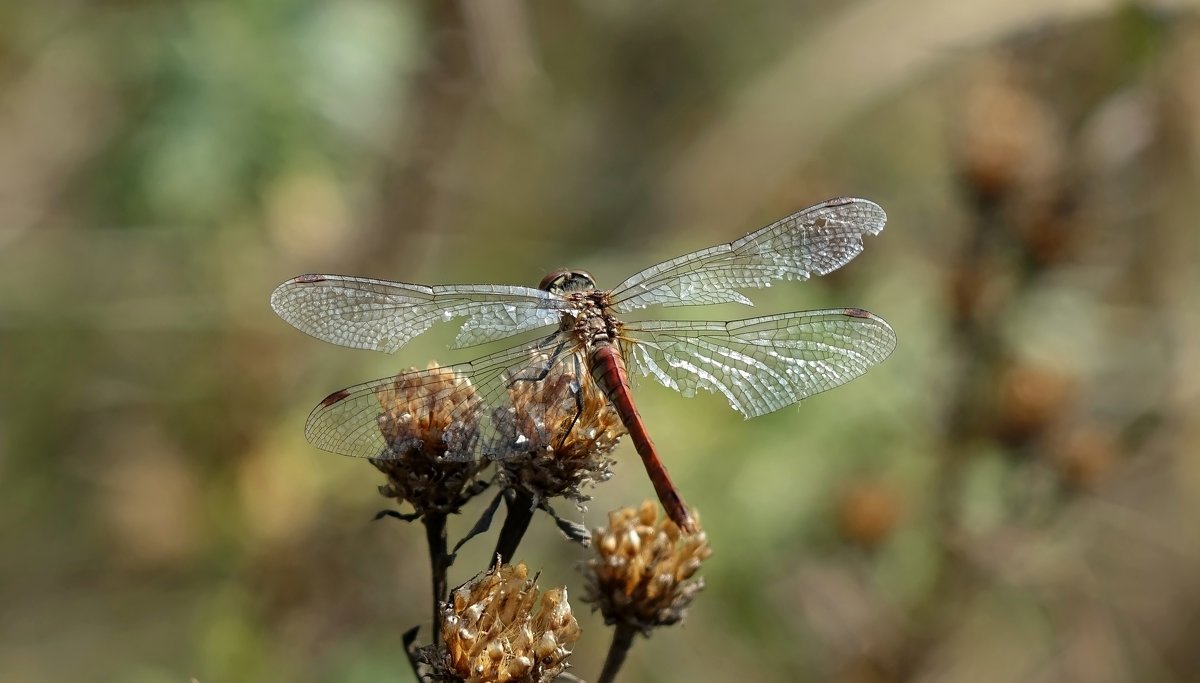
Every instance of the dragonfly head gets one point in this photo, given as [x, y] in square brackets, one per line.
[565, 281]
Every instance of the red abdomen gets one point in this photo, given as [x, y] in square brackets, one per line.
[608, 369]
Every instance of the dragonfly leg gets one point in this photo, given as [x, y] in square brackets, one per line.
[578, 404]
[544, 371]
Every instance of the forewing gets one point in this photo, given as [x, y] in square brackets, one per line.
[814, 241]
[499, 405]
[760, 364]
[383, 316]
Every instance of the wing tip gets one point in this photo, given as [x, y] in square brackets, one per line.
[876, 222]
[883, 325]
[306, 279]
[278, 294]
[858, 313]
[315, 418]
[842, 201]
[863, 314]
[335, 397]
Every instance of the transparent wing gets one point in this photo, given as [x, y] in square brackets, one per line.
[383, 316]
[814, 241]
[512, 402]
[760, 364]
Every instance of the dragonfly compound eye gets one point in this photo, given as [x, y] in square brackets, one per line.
[563, 281]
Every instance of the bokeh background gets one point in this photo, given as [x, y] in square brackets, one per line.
[1011, 497]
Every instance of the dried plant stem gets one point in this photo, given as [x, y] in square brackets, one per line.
[622, 640]
[520, 513]
[439, 560]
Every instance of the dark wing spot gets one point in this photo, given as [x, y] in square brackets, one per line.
[856, 313]
[305, 279]
[334, 397]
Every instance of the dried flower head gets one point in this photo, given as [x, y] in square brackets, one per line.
[867, 512]
[1009, 142]
[1084, 455]
[491, 630]
[643, 575]
[423, 416]
[563, 429]
[1030, 398]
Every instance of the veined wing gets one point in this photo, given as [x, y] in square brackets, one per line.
[512, 402]
[813, 241]
[760, 364]
[363, 313]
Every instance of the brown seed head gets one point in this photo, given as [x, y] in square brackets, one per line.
[552, 460]
[978, 291]
[1030, 398]
[1008, 141]
[1084, 455]
[867, 512]
[492, 631]
[1051, 226]
[643, 573]
[423, 416]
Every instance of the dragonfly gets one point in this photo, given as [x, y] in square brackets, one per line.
[759, 365]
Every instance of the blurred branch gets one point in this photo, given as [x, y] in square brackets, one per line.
[868, 51]
[53, 118]
[442, 96]
[504, 52]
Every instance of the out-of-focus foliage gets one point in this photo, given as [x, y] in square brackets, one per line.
[1012, 496]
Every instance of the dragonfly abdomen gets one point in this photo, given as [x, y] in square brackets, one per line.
[607, 368]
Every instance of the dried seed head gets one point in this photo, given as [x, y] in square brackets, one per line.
[867, 512]
[550, 460]
[1008, 143]
[491, 630]
[1084, 455]
[979, 291]
[423, 416]
[1030, 398]
[643, 573]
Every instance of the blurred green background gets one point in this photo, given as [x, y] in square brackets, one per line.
[1011, 497]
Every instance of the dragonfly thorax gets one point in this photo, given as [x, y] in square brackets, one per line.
[588, 322]
[566, 281]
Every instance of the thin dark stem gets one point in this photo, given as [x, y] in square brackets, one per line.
[621, 642]
[520, 512]
[439, 560]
